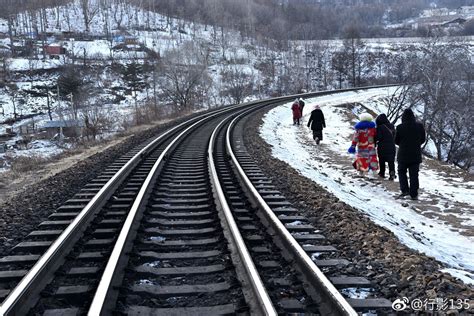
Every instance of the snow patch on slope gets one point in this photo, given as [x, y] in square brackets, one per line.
[430, 236]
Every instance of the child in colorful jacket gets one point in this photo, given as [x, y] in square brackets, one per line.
[364, 139]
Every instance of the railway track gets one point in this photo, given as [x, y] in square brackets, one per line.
[186, 224]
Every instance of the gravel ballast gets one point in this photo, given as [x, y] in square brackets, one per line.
[22, 213]
[395, 270]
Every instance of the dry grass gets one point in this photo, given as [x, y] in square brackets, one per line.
[23, 164]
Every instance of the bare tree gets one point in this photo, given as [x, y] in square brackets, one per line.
[353, 51]
[89, 11]
[402, 98]
[445, 72]
[339, 65]
[183, 72]
[118, 12]
[13, 93]
[4, 67]
[180, 84]
[96, 119]
[237, 84]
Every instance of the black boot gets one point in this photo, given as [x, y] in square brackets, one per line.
[392, 176]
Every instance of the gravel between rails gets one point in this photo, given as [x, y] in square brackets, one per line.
[22, 213]
[394, 269]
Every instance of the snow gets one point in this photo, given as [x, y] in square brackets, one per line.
[429, 235]
[95, 49]
[40, 148]
[142, 30]
[465, 276]
[356, 293]
[22, 64]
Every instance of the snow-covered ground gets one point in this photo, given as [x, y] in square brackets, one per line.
[422, 225]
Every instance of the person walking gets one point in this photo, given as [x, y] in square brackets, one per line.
[364, 139]
[317, 123]
[385, 142]
[301, 103]
[296, 112]
[409, 136]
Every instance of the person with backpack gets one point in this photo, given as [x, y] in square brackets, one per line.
[317, 123]
[385, 140]
[409, 136]
[296, 112]
[364, 139]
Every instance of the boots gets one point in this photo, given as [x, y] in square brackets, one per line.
[392, 176]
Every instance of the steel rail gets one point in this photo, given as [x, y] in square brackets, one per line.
[265, 304]
[103, 296]
[314, 273]
[19, 300]
[101, 302]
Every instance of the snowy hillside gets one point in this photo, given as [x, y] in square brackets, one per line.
[102, 43]
[439, 224]
[98, 55]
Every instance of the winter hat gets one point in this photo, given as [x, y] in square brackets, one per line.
[365, 117]
[408, 116]
[300, 99]
[382, 119]
[317, 106]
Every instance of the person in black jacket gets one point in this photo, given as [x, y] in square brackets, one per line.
[409, 136]
[301, 103]
[385, 142]
[317, 123]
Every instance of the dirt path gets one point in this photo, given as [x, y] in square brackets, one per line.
[431, 205]
[394, 269]
[13, 183]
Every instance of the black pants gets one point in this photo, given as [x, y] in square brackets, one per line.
[318, 133]
[402, 175]
[391, 166]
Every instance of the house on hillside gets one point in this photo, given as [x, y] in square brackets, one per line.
[4, 49]
[125, 39]
[437, 21]
[23, 47]
[7, 135]
[67, 128]
[54, 50]
[27, 128]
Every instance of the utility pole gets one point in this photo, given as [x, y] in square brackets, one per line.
[59, 97]
[48, 104]
[73, 107]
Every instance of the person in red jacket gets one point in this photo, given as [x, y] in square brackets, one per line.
[296, 112]
[364, 139]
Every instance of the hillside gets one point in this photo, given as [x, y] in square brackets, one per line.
[290, 20]
[104, 66]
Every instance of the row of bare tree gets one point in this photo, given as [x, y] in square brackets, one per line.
[287, 20]
[437, 77]
[439, 83]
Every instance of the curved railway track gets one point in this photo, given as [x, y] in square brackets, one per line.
[186, 224]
